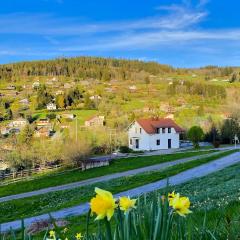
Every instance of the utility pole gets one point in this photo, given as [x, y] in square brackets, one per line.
[76, 129]
[112, 136]
[236, 140]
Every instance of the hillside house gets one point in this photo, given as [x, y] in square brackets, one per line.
[154, 134]
[11, 87]
[42, 132]
[44, 122]
[59, 92]
[24, 101]
[95, 98]
[51, 106]
[132, 88]
[95, 121]
[36, 85]
[10, 130]
[18, 123]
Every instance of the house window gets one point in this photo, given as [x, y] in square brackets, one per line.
[135, 130]
[158, 130]
[163, 130]
[130, 141]
[169, 130]
[158, 142]
[140, 130]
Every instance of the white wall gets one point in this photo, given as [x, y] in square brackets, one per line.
[149, 141]
[144, 138]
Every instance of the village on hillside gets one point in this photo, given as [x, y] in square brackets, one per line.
[100, 113]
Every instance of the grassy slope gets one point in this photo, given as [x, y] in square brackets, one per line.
[119, 165]
[62, 199]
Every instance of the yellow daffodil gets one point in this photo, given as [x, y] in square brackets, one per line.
[171, 196]
[126, 203]
[103, 204]
[65, 230]
[52, 234]
[181, 205]
[79, 236]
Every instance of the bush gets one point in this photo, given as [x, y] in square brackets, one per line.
[125, 149]
[51, 116]
[216, 144]
[76, 153]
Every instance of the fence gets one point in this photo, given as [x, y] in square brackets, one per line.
[7, 178]
[15, 176]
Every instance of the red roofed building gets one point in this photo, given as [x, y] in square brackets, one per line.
[96, 121]
[154, 134]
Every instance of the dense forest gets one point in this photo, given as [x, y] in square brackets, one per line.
[82, 67]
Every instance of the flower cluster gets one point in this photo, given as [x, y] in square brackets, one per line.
[104, 204]
[52, 235]
[180, 204]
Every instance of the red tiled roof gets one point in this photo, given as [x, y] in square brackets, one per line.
[150, 125]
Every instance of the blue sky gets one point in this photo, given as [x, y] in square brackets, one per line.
[182, 33]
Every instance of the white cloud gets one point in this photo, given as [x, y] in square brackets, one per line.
[178, 17]
[156, 39]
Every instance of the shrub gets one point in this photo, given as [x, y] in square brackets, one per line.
[216, 144]
[195, 134]
[125, 149]
[51, 116]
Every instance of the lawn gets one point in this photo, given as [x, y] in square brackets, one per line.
[116, 166]
[45, 203]
[82, 115]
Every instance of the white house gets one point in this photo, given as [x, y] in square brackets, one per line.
[95, 97]
[20, 123]
[24, 101]
[154, 134]
[51, 106]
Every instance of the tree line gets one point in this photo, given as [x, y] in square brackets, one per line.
[196, 88]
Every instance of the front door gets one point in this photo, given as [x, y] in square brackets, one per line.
[169, 143]
[137, 143]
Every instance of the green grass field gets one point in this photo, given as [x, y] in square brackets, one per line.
[46, 203]
[116, 166]
[82, 115]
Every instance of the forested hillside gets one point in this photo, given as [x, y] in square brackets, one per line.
[82, 67]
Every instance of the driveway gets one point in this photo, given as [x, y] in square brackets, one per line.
[182, 177]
